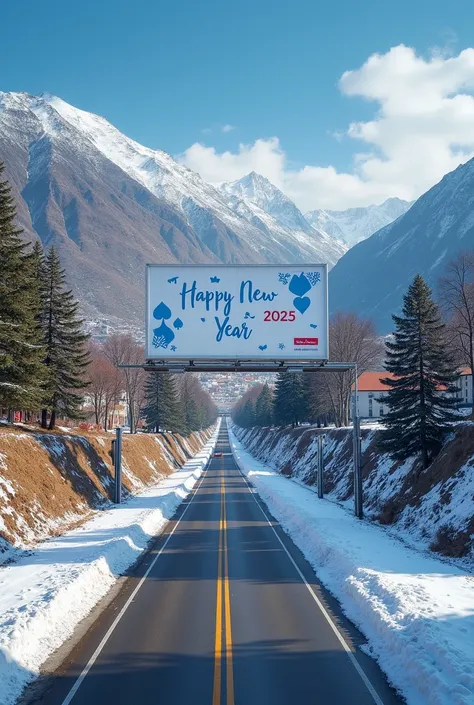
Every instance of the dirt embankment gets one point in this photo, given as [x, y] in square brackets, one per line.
[433, 508]
[51, 481]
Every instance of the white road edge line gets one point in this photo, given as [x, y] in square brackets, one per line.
[117, 619]
[347, 648]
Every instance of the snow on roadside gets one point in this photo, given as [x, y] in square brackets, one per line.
[416, 611]
[47, 593]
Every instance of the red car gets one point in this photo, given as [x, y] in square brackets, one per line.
[218, 455]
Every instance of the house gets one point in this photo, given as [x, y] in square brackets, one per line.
[464, 388]
[369, 389]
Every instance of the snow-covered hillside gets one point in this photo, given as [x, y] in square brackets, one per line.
[432, 510]
[373, 276]
[110, 205]
[186, 190]
[356, 224]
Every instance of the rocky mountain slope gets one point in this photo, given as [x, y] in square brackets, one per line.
[373, 276]
[356, 224]
[263, 205]
[111, 205]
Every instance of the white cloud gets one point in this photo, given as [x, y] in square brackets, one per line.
[227, 128]
[422, 128]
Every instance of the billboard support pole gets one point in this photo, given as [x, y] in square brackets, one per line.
[358, 496]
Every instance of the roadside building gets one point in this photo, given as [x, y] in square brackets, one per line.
[464, 388]
[370, 390]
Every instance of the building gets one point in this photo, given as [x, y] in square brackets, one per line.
[464, 387]
[369, 391]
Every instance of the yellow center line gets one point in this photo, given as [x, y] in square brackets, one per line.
[223, 599]
[228, 642]
[216, 697]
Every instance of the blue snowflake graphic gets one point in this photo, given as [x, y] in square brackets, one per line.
[314, 277]
[281, 346]
[283, 278]
[173, 348]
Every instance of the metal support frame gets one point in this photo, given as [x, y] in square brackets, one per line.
[358, 495]
[117, 453]
[311, 366]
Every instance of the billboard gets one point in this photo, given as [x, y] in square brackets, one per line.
[237, 312]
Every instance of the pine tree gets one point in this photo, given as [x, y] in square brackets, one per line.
[248, 414]
[291, 399]
[420, 397]
[264, 407]
[21, 370]
[162, 409]
[66, 354]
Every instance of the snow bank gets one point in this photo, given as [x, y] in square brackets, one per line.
[432, 509]
[46, 594]
[416, 611]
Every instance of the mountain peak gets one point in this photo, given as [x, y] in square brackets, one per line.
[253, 188]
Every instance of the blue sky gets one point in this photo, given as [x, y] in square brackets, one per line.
[172, 74]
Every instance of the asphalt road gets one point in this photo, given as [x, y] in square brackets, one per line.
[224, 610]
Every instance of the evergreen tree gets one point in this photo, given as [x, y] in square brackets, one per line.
[290, 401]
[248, 414]
[190, 407]
[163, 411]
[21, 370]
[420, 397]
[66, 354]
[264, 407]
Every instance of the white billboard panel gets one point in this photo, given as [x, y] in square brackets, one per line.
[261, 312]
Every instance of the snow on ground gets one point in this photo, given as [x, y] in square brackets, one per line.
[416, 611]
[47, 593]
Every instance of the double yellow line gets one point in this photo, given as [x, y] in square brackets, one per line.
[223, 641]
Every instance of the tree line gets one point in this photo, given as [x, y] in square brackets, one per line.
[49, 367]
[323, 397]
[43, 352]
[165, 402]
[431, 342]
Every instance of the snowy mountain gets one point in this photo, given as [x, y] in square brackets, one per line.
[373, 276]
[263, 205]
[111, 205]
[356, 224]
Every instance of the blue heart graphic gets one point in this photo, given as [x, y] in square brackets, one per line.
[162, 336]
[299, 285]
[162, 311]
[313, 325]
[203, 320]
[262, 347]
[301, 304]
[178, 323]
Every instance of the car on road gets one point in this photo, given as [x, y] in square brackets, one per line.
[218, 455]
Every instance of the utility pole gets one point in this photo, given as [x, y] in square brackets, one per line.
[321, 437]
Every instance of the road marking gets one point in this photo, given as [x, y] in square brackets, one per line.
[228, 623]
[117, 619]
[216, 694]
[223, 600]
[376, 697]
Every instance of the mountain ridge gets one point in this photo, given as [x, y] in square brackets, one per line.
[372, 277]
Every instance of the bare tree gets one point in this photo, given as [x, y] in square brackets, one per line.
[351, 339]
[456, 290]
[106, 384]
[124, 350]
